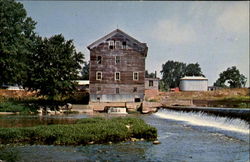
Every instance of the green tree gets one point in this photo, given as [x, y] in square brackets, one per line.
[53, 67]
[172, 72]
[16, 31]
[193, 70]
[231, 76]
[85, 71]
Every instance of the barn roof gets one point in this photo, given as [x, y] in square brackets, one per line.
[194, 78]
[113, 33]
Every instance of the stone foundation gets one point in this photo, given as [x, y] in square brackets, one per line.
[102, 106]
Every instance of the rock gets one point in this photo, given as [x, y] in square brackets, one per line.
[142, 139]
[128, 126]
[69, 106]
[133, 139]
[91, 143]
[110, 142]
[156, 142]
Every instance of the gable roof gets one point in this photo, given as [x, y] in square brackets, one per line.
[96, 43]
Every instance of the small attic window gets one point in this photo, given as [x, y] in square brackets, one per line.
[124, 44]
[111, 44]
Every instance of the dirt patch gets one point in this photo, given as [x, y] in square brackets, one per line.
[208, 95]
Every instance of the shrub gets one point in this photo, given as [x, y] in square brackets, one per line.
[98, 130]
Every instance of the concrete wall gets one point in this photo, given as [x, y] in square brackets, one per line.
[155, 83]
[193, 85]
[115, 97]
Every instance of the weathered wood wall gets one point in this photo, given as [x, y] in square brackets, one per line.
[132, 59]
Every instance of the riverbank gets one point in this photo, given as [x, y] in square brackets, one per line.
[233, 97]
[83, 132]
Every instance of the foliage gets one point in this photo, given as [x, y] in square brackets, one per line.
[85, 71]
[193, 70]
[16, 31]
[172, 72]
[13, 107]
[149, 75]
[53, 66]
[97, 130]
[9, 154]
[231, 76]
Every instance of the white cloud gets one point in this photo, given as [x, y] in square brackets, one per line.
[235, 18]
[174, 32]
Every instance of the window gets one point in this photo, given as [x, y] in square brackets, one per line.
[117, 91]
[98, 89]
[98, 75]
[111, 44]
[135, 89]
[117, 59]
[137, 100]
[99, 59]
[117, 44]
[117, 75]
[124, 44]
[135, 76]
[151, 83]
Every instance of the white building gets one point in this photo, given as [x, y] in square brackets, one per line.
[193, 83]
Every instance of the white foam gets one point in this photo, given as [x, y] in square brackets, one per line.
[202, 119]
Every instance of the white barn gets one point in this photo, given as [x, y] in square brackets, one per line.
[193, 83]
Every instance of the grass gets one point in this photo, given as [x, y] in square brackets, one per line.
[9, 106]
[9, 154]
[97, 130]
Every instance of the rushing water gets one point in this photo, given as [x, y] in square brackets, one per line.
[183, 136]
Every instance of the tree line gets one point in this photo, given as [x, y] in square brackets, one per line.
[173, 71]
[48, 65]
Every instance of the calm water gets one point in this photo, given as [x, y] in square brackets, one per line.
[183, 136]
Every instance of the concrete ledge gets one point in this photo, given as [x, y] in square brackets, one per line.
[148, 107]
[177, 102]
[100, 106]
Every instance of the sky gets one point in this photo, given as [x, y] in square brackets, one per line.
[214, 34]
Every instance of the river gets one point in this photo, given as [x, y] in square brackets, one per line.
[184, 136]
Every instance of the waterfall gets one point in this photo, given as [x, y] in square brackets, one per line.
[231, 127]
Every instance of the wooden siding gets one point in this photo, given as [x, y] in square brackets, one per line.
[132, 59]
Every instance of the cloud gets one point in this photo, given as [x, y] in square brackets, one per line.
[235, 18]
[174, 32]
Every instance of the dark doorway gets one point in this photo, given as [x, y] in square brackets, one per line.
[137, 100]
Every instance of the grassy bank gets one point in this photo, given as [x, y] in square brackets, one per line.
[10, 106]
[85, 131]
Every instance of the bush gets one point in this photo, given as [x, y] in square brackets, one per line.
[97, 130]
[13, 107]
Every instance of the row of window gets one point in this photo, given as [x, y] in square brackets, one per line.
[117, 59]
[117, 90]
[117, 44]
[117, 75]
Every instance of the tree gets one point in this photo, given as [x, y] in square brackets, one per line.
[149, 75]
[53, 67]
[172, 72]
[193, 70]
[85, 71]
[231, 76]
[16, 29]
